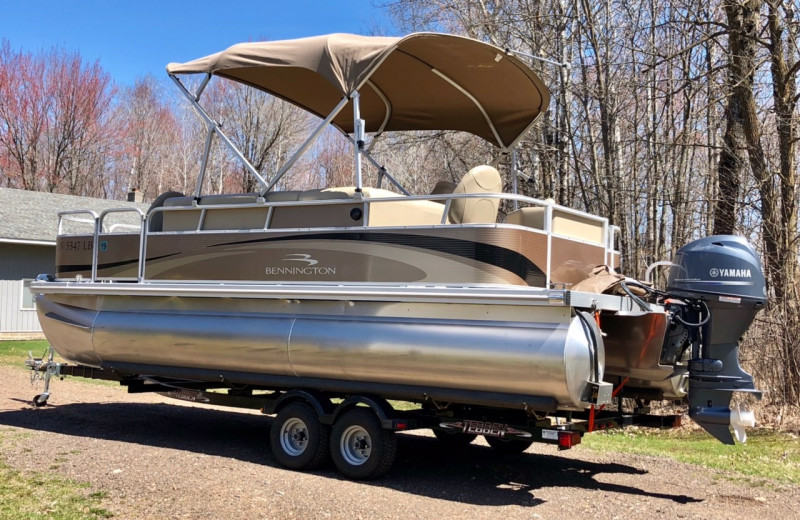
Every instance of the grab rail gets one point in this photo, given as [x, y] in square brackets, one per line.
[142, 238]
[607, 232]
[447, 198]
[65, 215]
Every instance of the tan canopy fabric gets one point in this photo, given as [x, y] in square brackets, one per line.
[424, 81]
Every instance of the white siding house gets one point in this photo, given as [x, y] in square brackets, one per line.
[28, 227]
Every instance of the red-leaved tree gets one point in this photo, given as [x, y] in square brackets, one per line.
[54, 121]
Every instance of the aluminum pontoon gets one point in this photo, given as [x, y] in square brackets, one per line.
[320, 305]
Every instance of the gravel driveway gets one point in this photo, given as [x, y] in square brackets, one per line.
[159, 458]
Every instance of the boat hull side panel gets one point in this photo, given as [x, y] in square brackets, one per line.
[438, 254]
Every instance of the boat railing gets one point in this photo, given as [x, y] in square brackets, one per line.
[438, 206]
[98, 244]
[445, 200]
[434, 208]
[72, 216]
[99, 228]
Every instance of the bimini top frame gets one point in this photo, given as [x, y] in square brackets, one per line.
[424, 81]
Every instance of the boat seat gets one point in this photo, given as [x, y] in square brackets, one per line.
[443, 188]
[220, 219]
[368, 193]
[405, 213]
[312, 215]
[323, 195]
[564, 223]
[389, 213]
[229, 198]
[400, 212]
[179, 201]
[481, 179]
[282, 196]
[156, 222]
[395, 212]
[179, 220]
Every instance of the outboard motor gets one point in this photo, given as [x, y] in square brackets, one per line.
[721, 280]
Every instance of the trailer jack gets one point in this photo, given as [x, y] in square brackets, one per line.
[42, 369]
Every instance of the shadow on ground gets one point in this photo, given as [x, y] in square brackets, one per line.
[472, 475]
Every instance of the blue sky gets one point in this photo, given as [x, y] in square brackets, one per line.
[138, 37]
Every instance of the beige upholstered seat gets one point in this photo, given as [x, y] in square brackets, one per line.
[395, 212]
[481, 179]
[370, 193]
[443, 188]
[254, 216]
[282, 196]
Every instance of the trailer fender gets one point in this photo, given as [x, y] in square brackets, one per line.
[321, 405]
[380, 407]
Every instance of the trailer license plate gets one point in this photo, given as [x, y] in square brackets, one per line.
[550, 435]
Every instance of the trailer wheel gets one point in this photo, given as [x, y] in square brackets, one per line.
[454, 440]
[361, 449]
[40, 400]
[298, 439]
[510, 446]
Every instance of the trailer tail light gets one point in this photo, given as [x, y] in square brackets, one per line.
[566, 439]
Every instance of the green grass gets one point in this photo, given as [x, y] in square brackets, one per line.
[40, 495]
[767, 455]
[16, 352]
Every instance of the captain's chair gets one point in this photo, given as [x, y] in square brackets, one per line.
[481, 179]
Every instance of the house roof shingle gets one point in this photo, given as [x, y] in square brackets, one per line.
[33, 215]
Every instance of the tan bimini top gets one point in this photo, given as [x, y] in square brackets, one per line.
[424, 81]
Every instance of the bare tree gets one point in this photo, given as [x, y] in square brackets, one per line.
[266, 129]
[148, 129]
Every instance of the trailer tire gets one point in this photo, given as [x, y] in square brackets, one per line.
[298, 439]
[510, 446]
[454, 440]
[361, 449]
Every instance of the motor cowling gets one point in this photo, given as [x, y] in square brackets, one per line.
[722, 277]
[724, 265]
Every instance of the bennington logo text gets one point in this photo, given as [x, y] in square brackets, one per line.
[730, 273]
[309, 269]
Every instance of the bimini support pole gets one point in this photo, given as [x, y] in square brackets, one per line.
[358, 137]
[213, 127]
[515, 177]
[383, 173]
[300, 151]
[381, 168]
